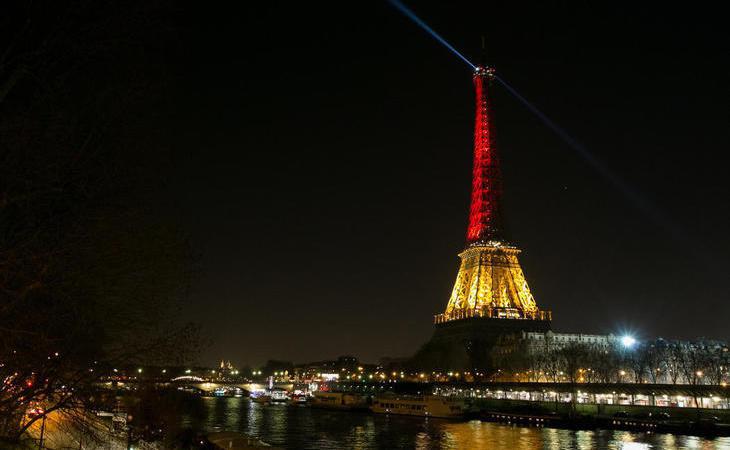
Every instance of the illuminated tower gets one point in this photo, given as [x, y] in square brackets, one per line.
[491, 300]
[490, 282]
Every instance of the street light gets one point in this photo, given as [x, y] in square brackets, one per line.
[34, 414]
[129, 432]
[628, 341]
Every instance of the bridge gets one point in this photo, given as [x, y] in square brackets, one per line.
[211, 386]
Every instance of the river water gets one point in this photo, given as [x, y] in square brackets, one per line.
[299, 427]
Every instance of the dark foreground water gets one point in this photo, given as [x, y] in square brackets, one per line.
[308, 428]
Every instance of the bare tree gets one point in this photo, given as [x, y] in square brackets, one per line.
[606, 365]
[553, 364]
[657, 353]
[673, 361]
[693, 360]
[89, 280]
[717, 357]
[576, 357]
[637, 359]
[532, 365]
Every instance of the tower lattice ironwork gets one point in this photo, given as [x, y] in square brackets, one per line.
[490, 282]
[485, 215]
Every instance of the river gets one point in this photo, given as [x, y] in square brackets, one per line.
[299, 427]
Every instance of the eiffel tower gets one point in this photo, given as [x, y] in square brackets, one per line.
[491, 297]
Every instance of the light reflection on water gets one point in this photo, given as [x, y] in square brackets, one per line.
[307, 428]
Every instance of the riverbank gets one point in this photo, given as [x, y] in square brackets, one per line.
[231, 440]
[689, 421]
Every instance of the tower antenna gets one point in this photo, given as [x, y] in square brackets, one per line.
[483, 56]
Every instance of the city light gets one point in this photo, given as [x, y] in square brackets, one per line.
[98, 261]
[628, 341]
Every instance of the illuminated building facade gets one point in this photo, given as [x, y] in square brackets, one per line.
[549, 340]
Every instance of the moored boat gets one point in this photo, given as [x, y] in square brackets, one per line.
[278, 395]
[420, 405]
[227, 391]
[261, 397]
[339, 400]
[298, 399]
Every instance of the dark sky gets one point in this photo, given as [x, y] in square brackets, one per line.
[324, 156]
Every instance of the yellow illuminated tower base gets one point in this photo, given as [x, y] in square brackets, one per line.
[491, 284]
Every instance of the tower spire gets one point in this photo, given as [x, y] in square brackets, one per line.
[483, 55]
[485, 215]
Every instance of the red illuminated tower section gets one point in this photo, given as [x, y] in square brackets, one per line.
[485, 217]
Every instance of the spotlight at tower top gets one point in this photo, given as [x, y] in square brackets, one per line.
[418, 21]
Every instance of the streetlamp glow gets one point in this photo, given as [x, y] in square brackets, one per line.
[628, 341]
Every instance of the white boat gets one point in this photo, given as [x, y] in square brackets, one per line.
[419, 405]
[260, 397]
[278, 395]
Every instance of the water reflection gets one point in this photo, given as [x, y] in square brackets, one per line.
[307, 428]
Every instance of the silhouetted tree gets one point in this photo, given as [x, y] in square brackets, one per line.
[717, 357]
[553, 364]
[606, 364]
[673, 361]
[657, 353]
[510, 356]
[637, 359]
[89, 277]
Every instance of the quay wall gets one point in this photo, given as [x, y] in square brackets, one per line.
[596, 410]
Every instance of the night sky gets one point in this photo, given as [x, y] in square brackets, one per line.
[323, 160]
